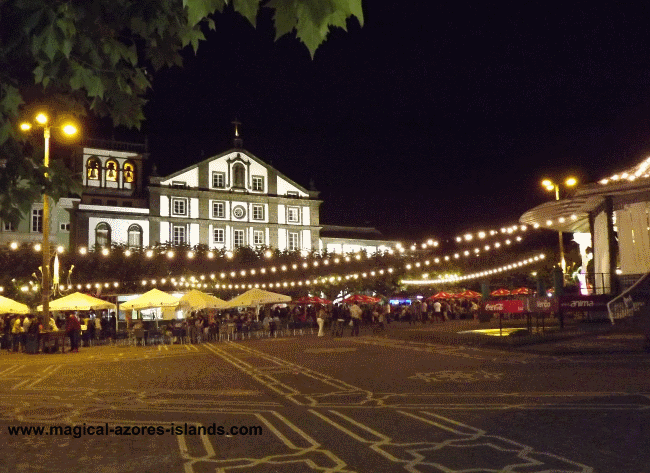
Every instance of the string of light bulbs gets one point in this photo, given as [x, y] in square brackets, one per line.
[476, 275]
[225, 278]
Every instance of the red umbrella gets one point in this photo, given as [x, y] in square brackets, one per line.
[360, 298]
[500, 292]
[522, 291]
[312, 300]
[442, 295]
[470, 294]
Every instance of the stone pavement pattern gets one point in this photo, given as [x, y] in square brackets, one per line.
[370, 404]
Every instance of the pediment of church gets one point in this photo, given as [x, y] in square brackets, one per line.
[236, 170]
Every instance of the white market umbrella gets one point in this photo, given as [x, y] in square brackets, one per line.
[10, 306]
[78, 301]
[152, 299]
[255, 297]
[198, 300]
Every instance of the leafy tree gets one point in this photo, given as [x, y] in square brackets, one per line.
[100, 57]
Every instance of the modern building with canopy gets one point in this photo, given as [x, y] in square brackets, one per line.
[610, 221]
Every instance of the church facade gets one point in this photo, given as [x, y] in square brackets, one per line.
[232, 200]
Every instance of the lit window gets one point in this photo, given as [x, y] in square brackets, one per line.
[293, 241]
[129, 172]
[178, 235]
[258, 212]
[92, 168]
[219, 235]
[179, 207]
[135, 236]
[293, 214]
[111, 170]
[103, 234]
[218, 180]
[239, 238]
[258, 183]
[37, 220]
[258, 237]
[218, 209]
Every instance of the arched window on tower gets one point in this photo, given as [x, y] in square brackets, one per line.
[129, 172]
[238, 175]
[111, 170]
[135, 236]
[103, 235]
[93, 165]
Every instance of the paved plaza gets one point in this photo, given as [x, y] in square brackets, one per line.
[368, 404]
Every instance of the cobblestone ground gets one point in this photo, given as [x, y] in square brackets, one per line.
[368, 404]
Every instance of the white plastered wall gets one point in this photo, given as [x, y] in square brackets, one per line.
[284, 187]
[190, 178]
[119, 229]
[634, 243]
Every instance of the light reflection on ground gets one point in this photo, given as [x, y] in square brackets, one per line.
[496, 332]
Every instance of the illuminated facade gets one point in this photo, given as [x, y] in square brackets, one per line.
[230, 200]
[114, 206]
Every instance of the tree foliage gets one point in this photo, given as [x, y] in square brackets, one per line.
[99, 57]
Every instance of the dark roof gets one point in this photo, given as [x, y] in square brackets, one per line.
[356, 233]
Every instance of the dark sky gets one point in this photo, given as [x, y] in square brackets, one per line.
[427, 121]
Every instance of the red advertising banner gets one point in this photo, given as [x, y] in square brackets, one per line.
[579, 303]
[542, 304]
[505, 307]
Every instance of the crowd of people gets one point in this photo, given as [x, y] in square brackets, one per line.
[30, 334]
[26, 333]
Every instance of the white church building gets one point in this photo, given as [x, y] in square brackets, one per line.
[230, 200]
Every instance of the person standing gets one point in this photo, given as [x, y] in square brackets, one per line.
[320, 320]
[437, 309]
[16, 333]
[72, 329]
[355, 314]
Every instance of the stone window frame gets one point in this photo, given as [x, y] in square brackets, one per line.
[184, 201]
[216, 174]
[215, 203]
[297, 246]
[257, 207]
[222, 232]
[258, 179]
[255, 234]
[298, 212]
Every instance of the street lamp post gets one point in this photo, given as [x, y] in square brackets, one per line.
[69, 129]
[552, 186]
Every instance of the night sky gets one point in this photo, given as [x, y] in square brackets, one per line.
[423, 122]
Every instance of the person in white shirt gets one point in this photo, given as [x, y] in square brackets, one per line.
[437, 309]
[320, 320]
[355, 313]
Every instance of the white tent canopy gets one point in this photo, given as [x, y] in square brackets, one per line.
[256, 297]
[152, 299]
[78, 301]
[10, 306]
[198, 300]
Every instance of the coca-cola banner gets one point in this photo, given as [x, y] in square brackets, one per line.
[579, 303]
[542, 304]
[505, 307]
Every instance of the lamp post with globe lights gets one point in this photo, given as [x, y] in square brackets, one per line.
[552, 186]
[68, 128]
